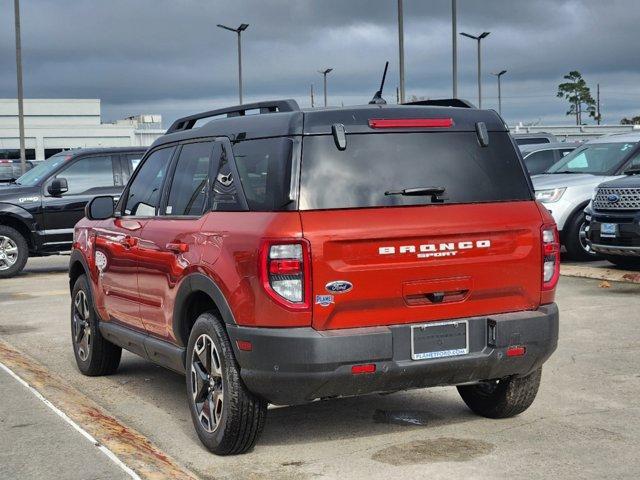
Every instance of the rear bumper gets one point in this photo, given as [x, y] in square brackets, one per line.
[297, 365]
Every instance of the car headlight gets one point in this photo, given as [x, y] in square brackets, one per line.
[550, 196]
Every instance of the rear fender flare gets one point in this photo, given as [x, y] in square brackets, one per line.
[197, 282]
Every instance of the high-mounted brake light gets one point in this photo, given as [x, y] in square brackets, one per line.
[411, 122]
[285, 272]
[550, 257]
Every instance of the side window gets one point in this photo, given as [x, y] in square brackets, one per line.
[265, 171]
[87, 174]
[130, 162]
[190, 183]
[538, 162]
[224, 190]
[143, 195]
[565, 152]
[633, 164]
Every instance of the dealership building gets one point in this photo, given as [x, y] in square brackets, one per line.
[53, 125]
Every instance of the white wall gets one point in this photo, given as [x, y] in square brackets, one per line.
[72, 123]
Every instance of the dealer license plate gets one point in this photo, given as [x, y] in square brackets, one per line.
[439, 340]
[608, 229]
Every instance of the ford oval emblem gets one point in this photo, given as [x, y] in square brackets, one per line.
[613, 198]
[339, 286]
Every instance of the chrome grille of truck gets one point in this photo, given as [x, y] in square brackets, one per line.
[628, 199]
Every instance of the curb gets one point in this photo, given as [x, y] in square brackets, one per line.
[600, 273]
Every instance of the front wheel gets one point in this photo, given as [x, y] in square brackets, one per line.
[575, 239]
[624, 262]
[94, 354]
[503, 398]
[14, 252]
[227, 417]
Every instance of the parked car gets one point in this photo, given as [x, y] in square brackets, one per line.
[613, 218]
[39, 209]
[538, 158]
[567, 187]
[297, 255]
[11, 169]
[534, 138]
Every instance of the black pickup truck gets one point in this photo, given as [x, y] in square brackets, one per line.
[39, 209]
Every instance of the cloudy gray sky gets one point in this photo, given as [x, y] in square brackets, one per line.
[168, 57]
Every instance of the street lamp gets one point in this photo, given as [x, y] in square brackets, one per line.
[324, 74]
[498, 75]
[478, 39]
[401, 48]
[239, 31]
[23, 158]
[454, 47]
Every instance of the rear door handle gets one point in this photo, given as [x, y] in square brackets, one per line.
[178, 247]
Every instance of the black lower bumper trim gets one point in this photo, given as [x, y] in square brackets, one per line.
[297, 365]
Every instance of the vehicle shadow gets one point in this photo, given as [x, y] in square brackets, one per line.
[370, 415]
[332, 419]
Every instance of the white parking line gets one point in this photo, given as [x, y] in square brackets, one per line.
[77, 427]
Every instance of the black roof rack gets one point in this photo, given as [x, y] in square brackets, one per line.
[187, 123]
[443, 102]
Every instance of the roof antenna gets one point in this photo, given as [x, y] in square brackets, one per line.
[377, 98]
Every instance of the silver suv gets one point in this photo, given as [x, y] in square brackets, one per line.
[567, 187]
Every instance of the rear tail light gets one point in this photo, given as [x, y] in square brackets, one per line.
[285, 271]
[550, 257]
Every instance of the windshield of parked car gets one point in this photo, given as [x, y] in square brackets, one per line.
[594, 158]
[42, 170]
[402, 169]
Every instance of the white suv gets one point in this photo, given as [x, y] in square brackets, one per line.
[567, 187]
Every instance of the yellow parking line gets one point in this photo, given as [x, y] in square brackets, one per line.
[128, 445]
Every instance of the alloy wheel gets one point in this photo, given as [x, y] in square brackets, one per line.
[583, 239]
[206, 383]
[8, 252]
[81, 325]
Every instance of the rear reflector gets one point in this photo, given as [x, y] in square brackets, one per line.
[411, 122]
[244, 345]
[517, 351]
[367, 368]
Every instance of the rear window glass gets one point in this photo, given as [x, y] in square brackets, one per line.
[373, 164]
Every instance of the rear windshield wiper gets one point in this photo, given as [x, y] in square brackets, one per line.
[433, 192]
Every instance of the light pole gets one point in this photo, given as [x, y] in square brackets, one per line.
[23, 159]
[239, 31]
[479, 40]
[324, 74]
[454, 46]
[401, 48]
[498, 76]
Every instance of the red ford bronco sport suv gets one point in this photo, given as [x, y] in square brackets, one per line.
[292, 255]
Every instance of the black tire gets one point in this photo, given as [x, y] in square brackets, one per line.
[502, 398]
[11, 239]
[575, 239]
[632, 263]
[95, 356]
[227, 417]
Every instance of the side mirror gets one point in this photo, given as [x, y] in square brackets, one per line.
[58, 186]
[100, 208]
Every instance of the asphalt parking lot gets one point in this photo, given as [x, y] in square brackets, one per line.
[585, 422]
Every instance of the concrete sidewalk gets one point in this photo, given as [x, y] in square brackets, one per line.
[601, 270]
[36, 443]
